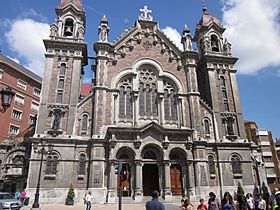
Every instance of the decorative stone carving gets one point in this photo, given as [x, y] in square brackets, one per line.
[165, 143]
[53, 30]
[103, 30]
[57, 114]
[147, 45]
[81, 32]
[227, 47]
[187, 39]
[137, 143]
[205, 43]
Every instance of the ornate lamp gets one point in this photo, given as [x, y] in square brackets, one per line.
[6, 98]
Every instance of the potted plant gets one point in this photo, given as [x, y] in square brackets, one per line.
[70, 196]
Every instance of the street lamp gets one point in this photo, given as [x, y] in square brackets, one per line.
[6, 98]
[41, 151]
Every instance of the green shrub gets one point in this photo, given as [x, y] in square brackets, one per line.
[240, 189]
[71, 193]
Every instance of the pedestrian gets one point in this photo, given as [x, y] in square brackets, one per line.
[88, 200]
[188, 205]
[154, 204]
[277, 204]
[22, 195]
[250, 203]
[271, 199]
[202, 205]
[213, 202]
[241, 200]
[182, 203]
[261, 203]
[227, 202]
[17, 195]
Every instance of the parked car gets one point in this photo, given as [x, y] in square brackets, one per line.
[7, 201]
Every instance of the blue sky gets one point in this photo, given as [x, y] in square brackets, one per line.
[253, 29]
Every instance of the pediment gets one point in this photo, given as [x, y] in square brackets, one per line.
[149, 35]
[150, 130]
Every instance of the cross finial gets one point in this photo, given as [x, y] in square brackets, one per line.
[145, 14]
[204, 6]
[126, 22]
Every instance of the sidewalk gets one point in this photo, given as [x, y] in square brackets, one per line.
[98, 206]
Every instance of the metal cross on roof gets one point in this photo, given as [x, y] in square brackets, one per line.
[145, 14]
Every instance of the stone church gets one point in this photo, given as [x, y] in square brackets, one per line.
[172, 117]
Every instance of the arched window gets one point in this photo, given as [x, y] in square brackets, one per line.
[211, 164]
[82, 164]
[222, 81]
[170, 101]
[148, 91]
[69, 27]
[125, 99]
[236, 165]
[51, 163]
[60, 84]
[206, 126]
[214, 43]
[84, 122]
[150, 155]
[229, 125]
[62, 69]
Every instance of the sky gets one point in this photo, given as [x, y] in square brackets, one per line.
[253, 29]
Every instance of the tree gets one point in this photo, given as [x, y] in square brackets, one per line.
[71, 193]
[240, 189]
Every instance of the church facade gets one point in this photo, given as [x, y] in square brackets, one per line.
[172, 117]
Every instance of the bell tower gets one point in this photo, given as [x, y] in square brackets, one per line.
[217, 77]
[66, 55]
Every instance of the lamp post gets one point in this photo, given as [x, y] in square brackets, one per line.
[6, 98]
[41, 151]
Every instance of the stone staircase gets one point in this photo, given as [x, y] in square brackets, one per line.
[130, 200]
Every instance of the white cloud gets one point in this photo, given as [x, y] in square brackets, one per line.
[174, 36]
[25, 38]
[254, 31]
[31, 13]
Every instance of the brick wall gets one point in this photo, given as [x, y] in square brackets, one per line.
[10, 78]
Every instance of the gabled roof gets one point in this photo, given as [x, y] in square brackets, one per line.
[76, 3]
[139, 25]
[20, 68]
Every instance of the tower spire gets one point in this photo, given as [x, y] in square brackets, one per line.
[77, 3]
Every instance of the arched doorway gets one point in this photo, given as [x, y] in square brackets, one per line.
[177, 157]
[151, 173]
[126, 156]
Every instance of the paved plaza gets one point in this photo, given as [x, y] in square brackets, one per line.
[98, 206]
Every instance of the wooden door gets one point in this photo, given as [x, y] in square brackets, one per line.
[176, 180]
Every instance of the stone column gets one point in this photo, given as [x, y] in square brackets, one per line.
[191, 179]
[167, 185]
[138, 176]
[161, 111]
[135, 107]
[185, 176]
[112, 191]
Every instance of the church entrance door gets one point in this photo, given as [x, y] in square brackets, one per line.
[176, 179]
[150, 179]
